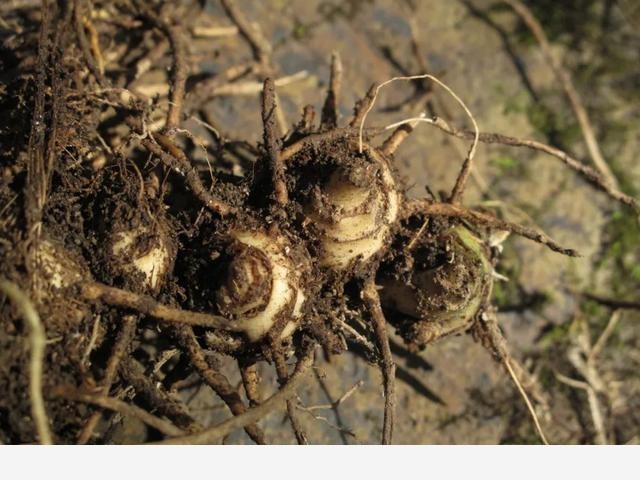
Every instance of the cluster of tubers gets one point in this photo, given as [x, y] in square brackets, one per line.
[314, 242]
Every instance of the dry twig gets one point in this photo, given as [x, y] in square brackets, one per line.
[584, 358]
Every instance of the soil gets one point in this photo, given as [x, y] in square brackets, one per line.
[101, 181]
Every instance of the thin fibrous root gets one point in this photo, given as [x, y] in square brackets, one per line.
[85, 46]
[329, 117]
[177, 161]
[461, 181]
[399, 135]
[589, 174]
[271, 143]
[38, 341]
[372, 300]
[426, 208]
[562, 75]
[260, 47]
[319, 138]
[147, 305]
[251, 382]
[612, 302]
[363, 106]
[123, 340]
[251, 87]
[525, 397]
[283, 376]
[179, 80]
[180, 70]
[133, 373]
[121, 407]
[254, 414]
[487, 332]
[216, 380]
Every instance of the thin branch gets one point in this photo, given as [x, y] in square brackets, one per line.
[596, 415]
[372, 300]
[417, 236]
[425, 207]
[342, 430]
[562, 75]
[604, 336]
[252, 415]
[362, 340]
[336, 403]
[38, 341]
[588, 371]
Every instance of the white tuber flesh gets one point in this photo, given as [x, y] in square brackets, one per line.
[152, 262]
[60, 269]
[262, 287]
[362, 219]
